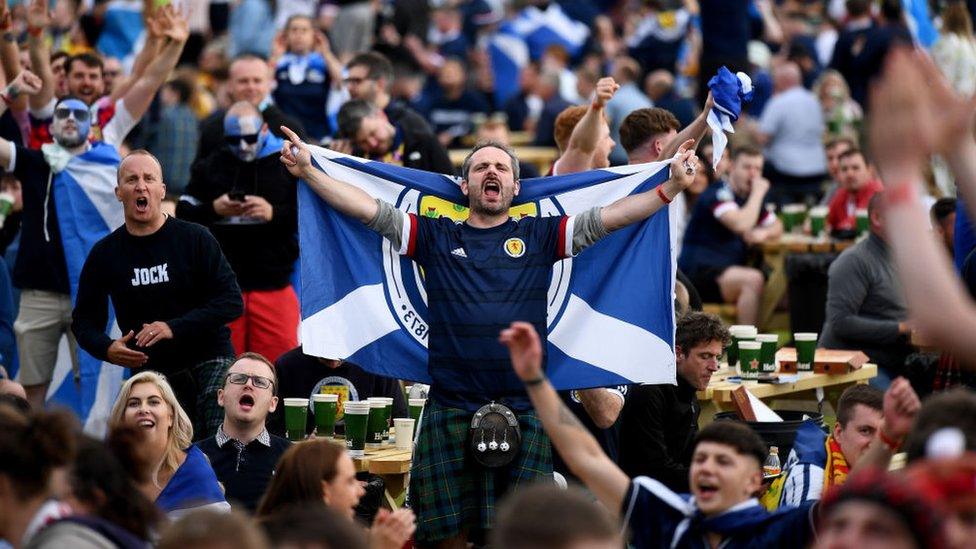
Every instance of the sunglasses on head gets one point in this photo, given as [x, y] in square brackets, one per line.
[235, 140]
[80, 115]
[258, 381]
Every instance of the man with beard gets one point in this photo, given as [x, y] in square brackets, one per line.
[113, 117]
[173, 294]
[243, 194]
[480, 276]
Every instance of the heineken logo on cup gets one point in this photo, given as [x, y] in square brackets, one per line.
[806, 350]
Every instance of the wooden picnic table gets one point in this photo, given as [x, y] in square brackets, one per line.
[717, 397]
[515, 139]
[774, 254]
[542, 157]
[391, 463]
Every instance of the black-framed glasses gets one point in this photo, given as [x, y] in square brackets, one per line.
[80, 115]
[260, 382]
[235, 140]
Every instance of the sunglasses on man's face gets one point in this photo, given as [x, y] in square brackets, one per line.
[235, 140]
[258, 381]
[80, 115]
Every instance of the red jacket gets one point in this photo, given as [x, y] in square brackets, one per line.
[844, 205]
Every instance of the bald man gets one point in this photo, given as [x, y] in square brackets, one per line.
[172, 290]
[791, 129]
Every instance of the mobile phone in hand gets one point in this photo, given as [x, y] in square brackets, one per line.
[236, 196]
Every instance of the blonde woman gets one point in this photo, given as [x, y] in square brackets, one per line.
[180, 477]
[955, 50]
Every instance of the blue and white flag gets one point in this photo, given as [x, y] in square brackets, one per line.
[123, 33]
[611, 308]
[541, 29]
[729, 91]
[509, 55]
[84, 195]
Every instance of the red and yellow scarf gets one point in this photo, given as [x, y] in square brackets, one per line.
[836, 468]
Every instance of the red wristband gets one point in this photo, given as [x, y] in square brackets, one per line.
[897, 195]
[35, 31]
[661, 194]
[893, 445]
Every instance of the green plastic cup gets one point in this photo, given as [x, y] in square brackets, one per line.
[388, 414]
[325, 408]
[356, 417]
[862, 221]
[818, 221]
[767, 352]
[749, 365]
[376, 423]
[296, 414]
[806, 350]
[416, 407]
[739, 332]
[793, 215]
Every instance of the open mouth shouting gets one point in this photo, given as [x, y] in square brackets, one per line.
[706, 490]
[142, 204]
[246, 403]
[491, 189]
[146, 423]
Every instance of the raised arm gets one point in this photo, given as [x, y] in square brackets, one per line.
[175, 31]
[900, 406]
[602, 405]
[38, 20]
[900, 142]
[638, 207]
[578, 448]
[150, 49]
[695, 131]
[10, 53]
[578, 156]
[348, 199]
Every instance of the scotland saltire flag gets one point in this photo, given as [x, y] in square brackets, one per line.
[611, 308]
[541, 29]
[123, 33]
[84, 195]
[508, 54]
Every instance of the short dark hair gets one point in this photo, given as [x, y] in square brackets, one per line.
[377, 65]
[260, 358]
[843, 140]
[312, 525]
[734, 434]
[866, 395]
[857, 8]
[641, 125]
[853, 152]
[955, 409]
[86, 58]
[942, 209]
[351, 115]
[58, 55]
[745, 150]
[695, 328]
[543, 516]
[206, 527]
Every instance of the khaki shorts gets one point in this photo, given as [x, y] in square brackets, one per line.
[44, 317]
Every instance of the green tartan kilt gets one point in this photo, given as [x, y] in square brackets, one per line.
[452, 493]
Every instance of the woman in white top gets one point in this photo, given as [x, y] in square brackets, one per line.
[955, 50]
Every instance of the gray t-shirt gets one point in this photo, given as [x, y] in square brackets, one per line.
[795, 126]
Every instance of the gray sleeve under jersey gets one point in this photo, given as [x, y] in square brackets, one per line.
[388, 222]
[588, 229]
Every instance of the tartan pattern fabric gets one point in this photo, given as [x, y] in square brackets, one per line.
[450, 492]
[209, 377]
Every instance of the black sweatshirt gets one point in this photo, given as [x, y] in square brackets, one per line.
[657, 433]
[178, 275]
[262, 255]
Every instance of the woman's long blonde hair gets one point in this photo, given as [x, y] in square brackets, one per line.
[180, 435]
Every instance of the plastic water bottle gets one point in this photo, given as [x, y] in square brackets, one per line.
[772, 466]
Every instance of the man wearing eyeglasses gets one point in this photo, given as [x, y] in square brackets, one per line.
[243, 453]
[246, 197]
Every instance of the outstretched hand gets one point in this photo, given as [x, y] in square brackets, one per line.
[295, 155]
[684, 165]
[525, 348]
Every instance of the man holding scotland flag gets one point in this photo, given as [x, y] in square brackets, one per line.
[480, 275]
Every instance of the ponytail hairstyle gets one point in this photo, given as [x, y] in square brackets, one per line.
[32, 446]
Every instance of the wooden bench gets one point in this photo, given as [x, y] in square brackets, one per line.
[728, 312]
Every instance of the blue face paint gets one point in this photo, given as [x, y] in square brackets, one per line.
[77, 111]
[244, 136]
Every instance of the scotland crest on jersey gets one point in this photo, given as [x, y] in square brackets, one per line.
[610, 309]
